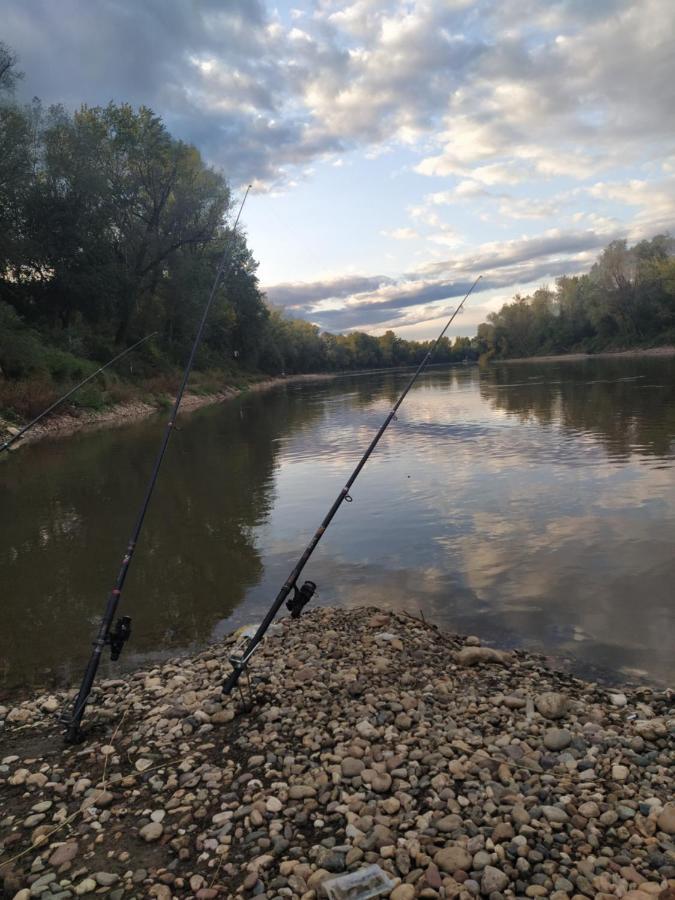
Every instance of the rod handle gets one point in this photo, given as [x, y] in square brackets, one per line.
[231, 681]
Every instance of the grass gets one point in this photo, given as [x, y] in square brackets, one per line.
[24, 398]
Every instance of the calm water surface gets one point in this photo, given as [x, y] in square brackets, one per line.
[533, 504]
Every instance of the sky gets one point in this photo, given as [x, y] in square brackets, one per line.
[397, 148]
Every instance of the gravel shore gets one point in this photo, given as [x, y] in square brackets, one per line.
[374, 738]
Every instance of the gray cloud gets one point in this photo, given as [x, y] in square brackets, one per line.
[493, 94]
[304, 294]
[369, 302]
[528, 80]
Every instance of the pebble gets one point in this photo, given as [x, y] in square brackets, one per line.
[151, 832]
[551, 704]
[557, 738]
[666, 819]
[493, 880]
[452, 858]
[449, 770]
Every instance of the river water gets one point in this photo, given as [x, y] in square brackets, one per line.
[532, 504]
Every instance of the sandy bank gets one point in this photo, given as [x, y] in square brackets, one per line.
[62, 424]
[374, 738]
[608, 354]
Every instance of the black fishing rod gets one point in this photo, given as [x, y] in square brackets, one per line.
[12, 440]
[302, 595]
[116, 638]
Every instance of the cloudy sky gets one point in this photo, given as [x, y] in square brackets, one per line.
[397, 148]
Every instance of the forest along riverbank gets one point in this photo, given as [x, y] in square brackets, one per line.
[604, 354]
[69, 421]
[374, 738]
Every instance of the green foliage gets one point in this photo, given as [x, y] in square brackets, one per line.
[626, 300]
[111, 229]
[291, 346]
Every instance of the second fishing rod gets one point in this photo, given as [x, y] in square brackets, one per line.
[302, 595]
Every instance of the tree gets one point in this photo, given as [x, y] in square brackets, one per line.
[9, 74]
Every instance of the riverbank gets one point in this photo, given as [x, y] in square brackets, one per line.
[374, 738]
[605, 354]
[71, 420]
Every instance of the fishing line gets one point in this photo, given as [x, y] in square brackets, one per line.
[8, 443]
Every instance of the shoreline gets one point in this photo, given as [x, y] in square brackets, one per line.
[603, 354]
[374, 739]
[66, 423]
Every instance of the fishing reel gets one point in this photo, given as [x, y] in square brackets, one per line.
[301, 597]
[118, 638]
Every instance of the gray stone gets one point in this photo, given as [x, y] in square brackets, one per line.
[451, 859]
[151, 832]
[106, 879]
[555, 814]
[493, 879]
[473, 656]
[666, 818]
[63, 854]
[551, 704]
[557, 738]
[352, 767]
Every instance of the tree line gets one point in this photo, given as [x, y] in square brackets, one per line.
[627, 299]
[110, 229]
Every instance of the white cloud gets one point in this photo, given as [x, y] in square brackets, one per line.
[526, 111]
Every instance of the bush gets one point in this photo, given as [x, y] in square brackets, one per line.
[91, 396]
[26, 399]
[63, 366]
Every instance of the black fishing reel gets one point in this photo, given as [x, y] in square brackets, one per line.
[300, 599]
[118, 638]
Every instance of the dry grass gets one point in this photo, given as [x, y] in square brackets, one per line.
[26, 399]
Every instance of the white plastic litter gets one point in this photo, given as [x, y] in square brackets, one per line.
[371, 881]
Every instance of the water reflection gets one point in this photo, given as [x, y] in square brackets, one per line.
[67, 510]
[531, 504]
[625, 413]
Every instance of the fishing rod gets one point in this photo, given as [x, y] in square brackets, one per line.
[12, 440]
[116, 638]
[302, 595]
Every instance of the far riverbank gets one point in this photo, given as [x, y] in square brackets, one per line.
[605, 354]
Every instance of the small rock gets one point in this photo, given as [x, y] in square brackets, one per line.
[666, 818]
[551, 704]
[555, 814]
[403, 892]
[366, 729]
[451, 859]
[473, 656]
[557, 738]
[63, 854]
[301, 791]
[618, 699]
[381, 782]
[151, 832]
[493, 879]
[352, 767]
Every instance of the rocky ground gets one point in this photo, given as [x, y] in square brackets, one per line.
[374, 738]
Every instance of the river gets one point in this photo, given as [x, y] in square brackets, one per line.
[532, 504]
